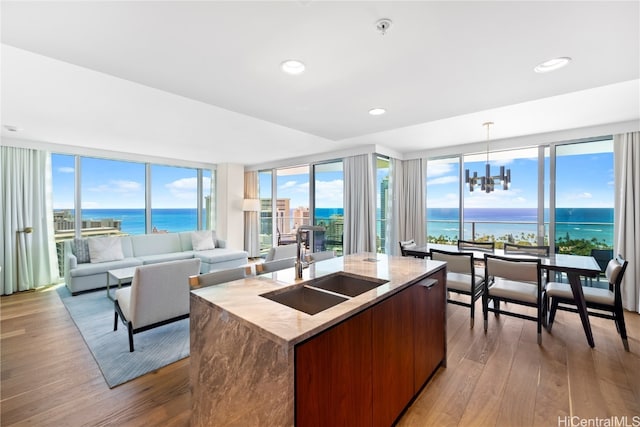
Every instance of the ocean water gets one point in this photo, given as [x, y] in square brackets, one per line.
[578, 223]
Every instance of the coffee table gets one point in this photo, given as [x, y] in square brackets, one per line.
[121, 275]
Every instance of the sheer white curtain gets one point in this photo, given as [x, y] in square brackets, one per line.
[251, 218]
[408, 212]
[359, 205]
[28, 259]
[626, 149]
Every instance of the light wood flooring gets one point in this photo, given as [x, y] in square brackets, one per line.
[503, 378]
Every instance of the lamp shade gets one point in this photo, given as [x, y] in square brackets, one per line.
[251, 205]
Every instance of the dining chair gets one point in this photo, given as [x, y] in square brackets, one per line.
[608, 302]
[473, 245]
[406, 244]
[461, 277]
[514, 280]
[320, 256]
[275, 265]
[219, 276]
[513, 249]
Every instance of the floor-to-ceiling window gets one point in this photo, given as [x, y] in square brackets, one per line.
[292, 203]
[265, 189]
[382, 201]
[329, 206]
[443, 200]
[584, 197]
[208, 215]
[174, 199]
[112, 194]
[502, 215]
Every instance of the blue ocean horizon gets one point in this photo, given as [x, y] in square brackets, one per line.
[578, 223]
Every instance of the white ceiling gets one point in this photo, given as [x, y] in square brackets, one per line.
[202, 78]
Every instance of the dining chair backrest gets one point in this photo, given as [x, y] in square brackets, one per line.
[321, 256]
[406, 244]
[281, 252]
[489, 247]
[218, 277]
[516, 269]
[457, 262]
[615, 272]
[278, 264]
[511, 248]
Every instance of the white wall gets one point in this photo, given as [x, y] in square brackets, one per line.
[229, 196]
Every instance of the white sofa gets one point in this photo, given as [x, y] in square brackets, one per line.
[144, 249]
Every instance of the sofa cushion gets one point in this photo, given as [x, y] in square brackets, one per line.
[219, 255]
[103, 249]
[154, 244]
[80, 248]
[89, 269]
[202, 240]
[187, 245]
[173, 256]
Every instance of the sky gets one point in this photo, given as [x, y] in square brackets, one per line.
[583, 181]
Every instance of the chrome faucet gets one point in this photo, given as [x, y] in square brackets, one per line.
[299, 263]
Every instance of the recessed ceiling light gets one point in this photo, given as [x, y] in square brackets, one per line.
[377, 111]
[12, 128]
[292, 66]
[552, 64]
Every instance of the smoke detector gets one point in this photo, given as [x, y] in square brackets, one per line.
[382, 25]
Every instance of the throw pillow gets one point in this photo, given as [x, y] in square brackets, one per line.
[103, 249]
[80, 248]
[202, 240]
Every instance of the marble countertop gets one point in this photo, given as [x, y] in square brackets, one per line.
[287, 326]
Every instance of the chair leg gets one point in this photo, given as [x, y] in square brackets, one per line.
[130, 328]
[496, 305]
[539, 322]
[115, 320]
[619, 315]
[485, 311]
[552, 313]
[473, 309]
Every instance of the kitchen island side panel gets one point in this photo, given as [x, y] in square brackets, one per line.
[238, 376]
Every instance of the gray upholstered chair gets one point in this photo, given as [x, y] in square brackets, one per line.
[406, 244]
[219, 276]
[607, 302]
[159, 294]
[281, 252]
[461, 277]
[513, 280]
[320, 256]
[278, 264]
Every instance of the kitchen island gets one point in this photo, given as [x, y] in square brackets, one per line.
[255, 361]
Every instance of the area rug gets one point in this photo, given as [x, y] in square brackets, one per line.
[158, 347]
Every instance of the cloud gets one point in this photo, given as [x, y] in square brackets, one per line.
[437, 169]
[442, 180]
[580, 196]
[184, 188]
[288, 184]
[117, 186]
[329, 194]
[66, 169]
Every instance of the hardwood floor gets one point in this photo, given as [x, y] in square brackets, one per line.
[503, 378]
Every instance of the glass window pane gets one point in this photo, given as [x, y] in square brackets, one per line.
[63, 188]
[329, 206]
[112, 197]
[292, 209]
[443, 200]
[174, 198]
[584, 207]
[266, 214]
[503, 215]
[382, 202]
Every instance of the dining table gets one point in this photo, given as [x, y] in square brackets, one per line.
[573, 266]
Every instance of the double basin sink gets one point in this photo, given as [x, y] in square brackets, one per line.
[324, 292]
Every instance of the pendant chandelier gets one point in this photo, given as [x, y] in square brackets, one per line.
[488, 182]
